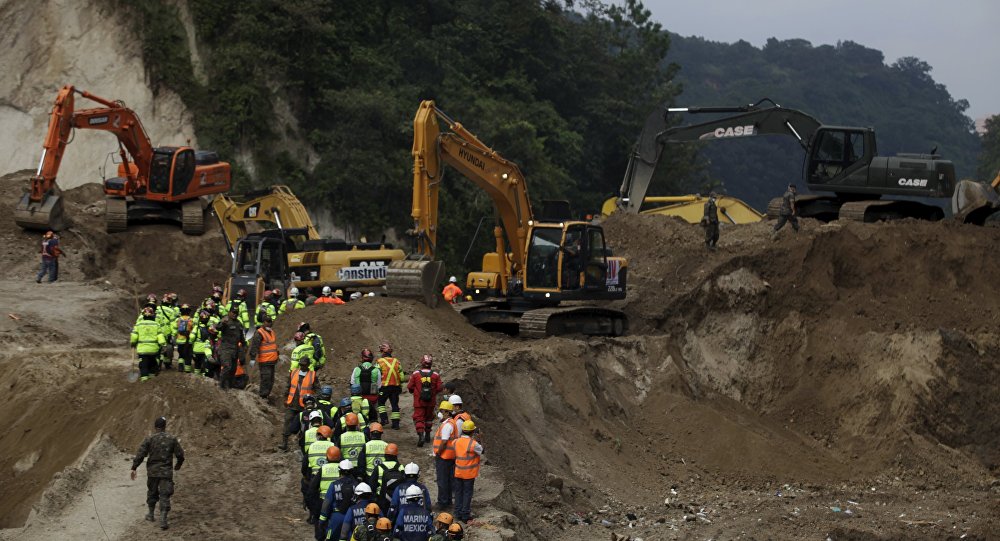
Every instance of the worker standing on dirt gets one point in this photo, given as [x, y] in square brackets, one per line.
[411, 479]
[368, 376]
[301, 383]
[352, 443]
[50, 257]
[201, 343]
[319, 485]
[374, 448]
[326, 407]
[312, 460]
[292, 302]
[788, 212]
[161, 448]
[318, 347]
[451, 292]
[360, 516]
[710, 221]
[239, 303]
[229, 347]
[424, 385]
[148, 340]
[459, 412]
[444, 454]
[468, 452]
[263, 349]
[386, 476]
[184, 336]
[167, 314]
[267, 306]
[328, 296]
[413, 521]
[336, 500]
[392, 386]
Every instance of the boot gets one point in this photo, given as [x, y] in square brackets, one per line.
[163, 519]
[420, 439]
[395, 424]
[151, 515]
[284, 444]
[427, 436]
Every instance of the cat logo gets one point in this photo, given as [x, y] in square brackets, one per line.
[915, 182]
[732, 131]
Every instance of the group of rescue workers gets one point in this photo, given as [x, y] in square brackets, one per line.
[354, 484]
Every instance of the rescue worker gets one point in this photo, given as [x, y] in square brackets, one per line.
[413, 522]
[215, 296]
[383, 530]
[374, 448]
[312, 460]
[292, 302]
[311, 421]
[340, 425]
[788, 212]
[368, 376]
[201, 342]
[386, 476]
[362, 508]
[50, 258]
[326, 407]
[266, 307]
[362, 406]
[319, 484]
[441, 523]
[184, 337]
[392, 386]
[455, 532]
[148, 340]
[444, 455]
[264, 350]
[411, 477]
[303, 352]
[459, 413]
[710, 221]
[318, 348]
[328, 297]
[230, 344]
[352, 442]
[452, 293]
[337, 499]
[424, 385]
[468, 452]
[301, 383]
[160, 447]
[239, 303]
[211, 357]
[167, 314]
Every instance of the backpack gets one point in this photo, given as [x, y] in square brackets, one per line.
[390, 478]
[317, 349]
[425, 385]
[366, 379]
[184, 327]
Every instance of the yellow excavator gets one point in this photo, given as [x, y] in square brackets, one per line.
[285, 249]
[540, 261]
[691, 208]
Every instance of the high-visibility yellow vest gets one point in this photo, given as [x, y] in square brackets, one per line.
[328, 473]
[351, 444]
[374, 455]
[316, 453]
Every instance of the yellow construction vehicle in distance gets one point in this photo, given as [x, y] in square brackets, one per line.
[285, 250]
[691, 208]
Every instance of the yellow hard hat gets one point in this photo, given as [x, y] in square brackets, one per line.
[445, 405]
[468, 426]
[339, 293]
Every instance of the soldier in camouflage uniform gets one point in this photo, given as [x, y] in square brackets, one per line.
[788, 212]
[710, 221]
[231, 341]
[161, 448]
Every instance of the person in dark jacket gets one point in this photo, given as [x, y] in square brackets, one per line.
[160, 448]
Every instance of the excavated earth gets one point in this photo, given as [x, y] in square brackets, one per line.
[838, 383]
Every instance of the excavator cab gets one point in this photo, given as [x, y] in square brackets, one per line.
[840, 156]
[570, 261]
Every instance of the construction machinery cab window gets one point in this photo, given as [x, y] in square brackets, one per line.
[595, 273]
[543, 258]
[834, 152]
[263, 257]
[183, 171]
[159, 172]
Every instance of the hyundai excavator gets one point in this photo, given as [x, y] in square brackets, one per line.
[838, 159]
[152, 182]
[540, 261]
[285, 249]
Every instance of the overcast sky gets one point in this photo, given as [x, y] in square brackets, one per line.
[960, 39]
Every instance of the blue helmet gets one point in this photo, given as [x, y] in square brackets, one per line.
[355, 389]
[345, 402]
[326, 392]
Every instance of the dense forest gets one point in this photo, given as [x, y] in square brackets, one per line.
[321, 96]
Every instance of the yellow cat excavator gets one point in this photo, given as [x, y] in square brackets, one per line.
[540, 261]
[274, 244]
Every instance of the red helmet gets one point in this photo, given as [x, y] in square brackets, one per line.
[210, 304]
[276, 292]
[299, 336]
[171, 297]
[426, 361]
[385, 348]
[148, 312]
[217, 289]
[151, 298]
[204, 314]
[366, 355]
[241, 293]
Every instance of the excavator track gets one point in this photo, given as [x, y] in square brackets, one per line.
[881, 210]
[193, 217]
[561, 320]
[116, 215]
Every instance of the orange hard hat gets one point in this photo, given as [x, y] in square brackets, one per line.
[373, 509]
[383, 524]
[444, 518]
[392, 449]
[375, 427]
[333, 453]
[351, 419]
[325, 431]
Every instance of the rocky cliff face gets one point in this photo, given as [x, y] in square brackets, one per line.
[45, 44]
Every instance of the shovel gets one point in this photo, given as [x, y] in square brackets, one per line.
[133, 373]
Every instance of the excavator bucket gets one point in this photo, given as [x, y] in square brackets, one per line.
[974, 202]
[44, 214]
[415, 279]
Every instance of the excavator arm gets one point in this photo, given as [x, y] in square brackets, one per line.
[748, 121]
[276, 205]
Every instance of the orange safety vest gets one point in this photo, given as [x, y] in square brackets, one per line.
[239, 369]
[391, 372]
[461, 418]
[449, 450]
[268, 352]
[302, 386]
[329, 300]
[466, 457]
[451, 291]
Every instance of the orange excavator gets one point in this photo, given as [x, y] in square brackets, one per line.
[162, 183]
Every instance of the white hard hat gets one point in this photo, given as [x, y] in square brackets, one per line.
[453, 279]
[315, 415]
[356, 295]
[294, 292]
[455, 400]
[411, 469]
[326, 290]
[346, 465]
[362, 488]
[413, 492]
[371, 293]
